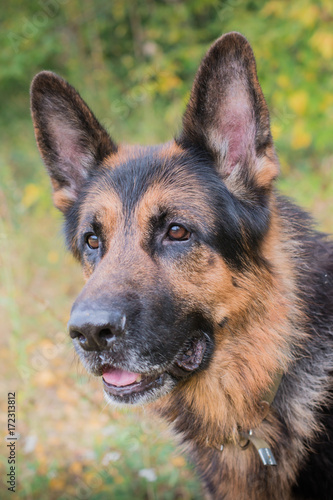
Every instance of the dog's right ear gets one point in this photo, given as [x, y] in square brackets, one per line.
[71, 141]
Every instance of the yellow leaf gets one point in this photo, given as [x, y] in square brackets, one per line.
[5, 353]
[65, 395]
[328, 6]
[326, 102]
[46, 344]
[306, 15]
[119, 480]
[31, 194]
[167, 81]
[323, 42]
[275, 8]
[283, 81]
[39, 453]
[178, 461]
[298, 101]
[75, 468]
[276, 130]
[57, 484]
[42, 469]
[300, 138]
[310, 76]
[53, 257]
[46, 378]
[91, 477]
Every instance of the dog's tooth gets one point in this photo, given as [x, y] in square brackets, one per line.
[139, 378]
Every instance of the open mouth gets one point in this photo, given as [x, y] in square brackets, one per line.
[122, 384]
[129, 387]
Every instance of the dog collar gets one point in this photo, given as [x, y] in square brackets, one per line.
[247, 438]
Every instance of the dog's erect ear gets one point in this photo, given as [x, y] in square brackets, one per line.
[227, 114]
[71, 141]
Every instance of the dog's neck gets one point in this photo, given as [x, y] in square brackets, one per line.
[247, 362]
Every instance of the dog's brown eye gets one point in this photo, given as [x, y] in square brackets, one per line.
[178, 233]
[92, 241]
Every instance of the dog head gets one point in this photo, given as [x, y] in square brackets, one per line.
[163, 233]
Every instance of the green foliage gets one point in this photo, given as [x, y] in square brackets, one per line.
[135, 61]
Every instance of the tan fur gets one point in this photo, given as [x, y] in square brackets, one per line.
[250, 348]
[227, 396]
[248, 314]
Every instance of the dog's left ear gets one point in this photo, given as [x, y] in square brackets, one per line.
[227, 115]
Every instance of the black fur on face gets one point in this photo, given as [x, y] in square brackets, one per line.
[234, 227]
[212, 184]
[127, 269]
[202, 284]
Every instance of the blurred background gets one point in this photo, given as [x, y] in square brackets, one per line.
[133, 62]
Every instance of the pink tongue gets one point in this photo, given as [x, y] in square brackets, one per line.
[120, 378]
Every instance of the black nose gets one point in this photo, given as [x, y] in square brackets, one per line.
[96, 330]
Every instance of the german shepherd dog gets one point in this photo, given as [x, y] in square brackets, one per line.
[208, 296]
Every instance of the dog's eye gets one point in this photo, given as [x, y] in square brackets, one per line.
[92, 241]
[177, 232]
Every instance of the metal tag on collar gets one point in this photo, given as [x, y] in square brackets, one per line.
[262, 447]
